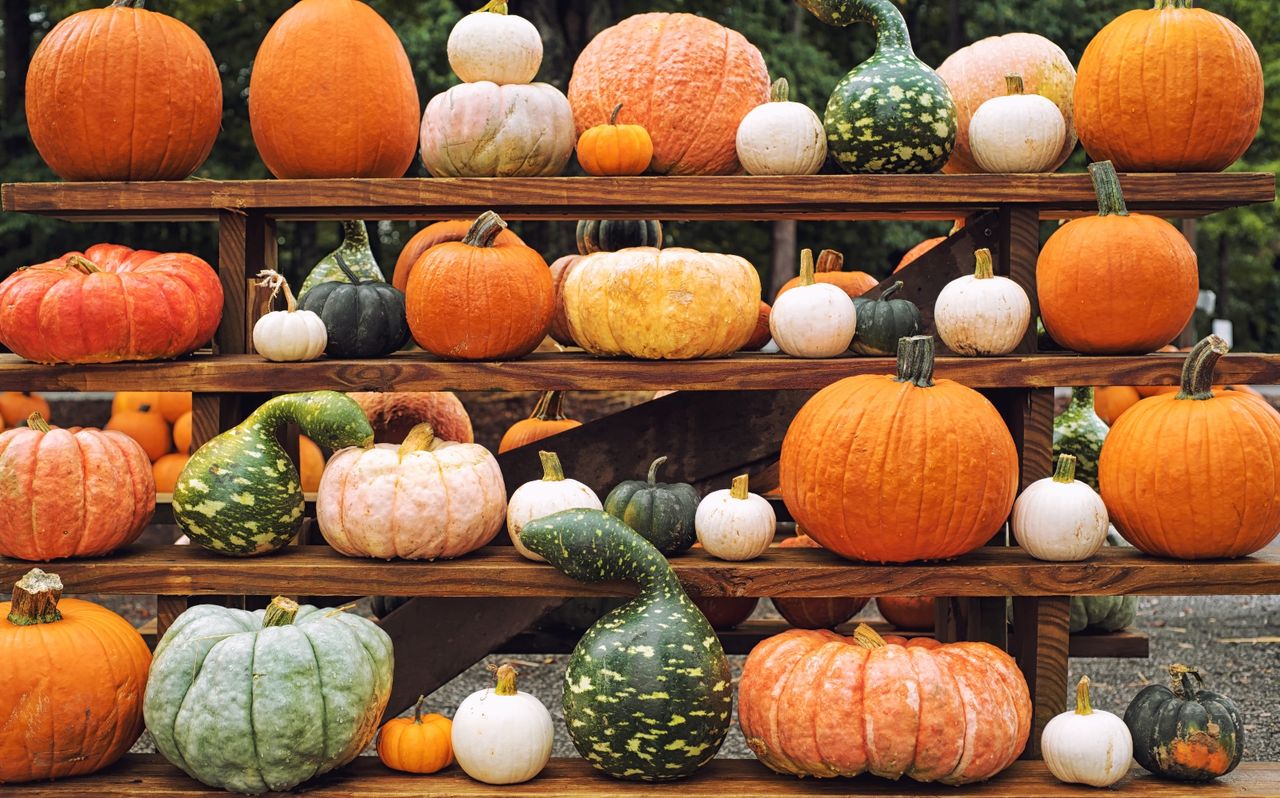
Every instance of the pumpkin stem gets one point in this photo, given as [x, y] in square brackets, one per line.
[1066, 470]
[779, 91]
[1181, 677]
[128, 4]
[346, 270]
[1083, 707]
[915, 360]
[550, 407]
[1013, 85]
[492, 7]
[867, 637]
[417, 709]
[738, 489]
[806, 267]
[653, 469]
[280, 612]
[506, 680]
[484, 230]
[613, 117]
[829, 260]
[1197, 370]
[82, 264]
[276, 282]
[1106, 184]
[552, 471]
[35, 599]
[36, 422]
[891, 290]
[419, 439]
[983, 269]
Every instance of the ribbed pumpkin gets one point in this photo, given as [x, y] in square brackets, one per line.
[419, 744]
[147, 428]
[1195, 475]
[428, 237]
[614, 148]
[879, 438]
[1187, 733]
[547, 419]
[361, 318]
[815, 613]
[611, 235]
[1169, 89]
[486, 130]
[667, 70]
[332, 94]
[71, 701]
[883, 321]
[829, 269]
[17, 407]
[392, 414]
[560, 268]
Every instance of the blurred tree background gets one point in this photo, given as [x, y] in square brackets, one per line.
[1244, 243]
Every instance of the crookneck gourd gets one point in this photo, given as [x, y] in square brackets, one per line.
[355, 252]
[240, 494]
[647, 691]
[1080, 432]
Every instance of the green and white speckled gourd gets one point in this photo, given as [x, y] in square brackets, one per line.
[258, 701]
[647, 690]
[240, 494]
[355, 252]
[1079, 431]
[892, 113]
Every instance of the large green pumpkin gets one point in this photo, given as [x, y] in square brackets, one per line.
[1187, 733]
[611, 235]
[259, 701]
[647, 691]
[1102, 613]
[1079, 431]
[882, 322]
[361, 318]
[662, 513]
[357, 254]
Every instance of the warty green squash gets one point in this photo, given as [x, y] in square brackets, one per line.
[1185, 733]
[357, 253]
[662, 513]
[647, 692]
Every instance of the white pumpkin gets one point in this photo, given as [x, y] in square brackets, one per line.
[491, 44]
[1018, 132]
[813, 319]
[1059, 518]
[542, 497]
[1087, 746]
[735, 524]
[486, 130]
[781, 137]
[981, 314]
[501, 735]
[291, 334]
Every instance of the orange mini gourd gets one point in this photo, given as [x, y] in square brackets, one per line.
[16, 407]
[547, 419]
[428, 237]
[147, 428]
[420, 744]
[167, 469]
[615, 149]
[829, 269]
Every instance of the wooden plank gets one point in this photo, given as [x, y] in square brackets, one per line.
[1016, 256]
[1123, 644]
[233, 259]
[168, 608]
[1042, 648]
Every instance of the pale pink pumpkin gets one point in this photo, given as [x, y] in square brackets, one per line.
[486, 130]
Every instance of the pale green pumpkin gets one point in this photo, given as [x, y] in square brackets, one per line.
[355, 252]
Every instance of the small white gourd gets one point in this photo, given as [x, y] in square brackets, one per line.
[1087, 746]
[813, 319]
[542, 497]
[490, 44]
[981, 314]
[781, 137]
[1018, 132]
[1059, 518]
[734, 524]
[290, 334]
[501, 735]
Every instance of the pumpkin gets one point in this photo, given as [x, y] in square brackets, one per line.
[332, 94]
[420, 744]
[814, 319]
[1102, 613]
[147, 428]
[123, 401]
[762, 335]
[1174, 114]
[669, 69]
[1086, 746]
[166, 471]
[1187, 733]
[173, 404]
[781, 137]
[502, 735]
[392, 414]
[1162, 468]
[182, 434]
[1116, 283]
[982, 314]
[1058, 518]
[110, 303]
[912, 505]
[16, 407]
[547, 419]
[1080, 432]
[486, 130]
[828, 269]
[76, 706]
[907, 612]
[646, 664]
[615, 149]
[884, 321]
[813, 703]
[610, 235]
[361, 319]
[428, 237]
[1017, 133]
[1111, 401]
[924, 246]
[725, 613]
[735, 524]
[560, 268]
[355, 250]
[94, 115]
[289, 334]
[266, 700]
[663, 514]
[492, 45]
[815, 613]
[543, 497]
[310, 464]
[455, 318]
[976, 73]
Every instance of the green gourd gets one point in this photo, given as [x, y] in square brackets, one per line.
[662, 513]
[265, 700]
[1102, 613]
[1187, 733]
[881, 322]
[240, 494]
[1080, 432]
[362, 318]
[647, 691]
[611, 235]
[357, 253]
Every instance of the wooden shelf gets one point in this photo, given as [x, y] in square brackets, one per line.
[891, 197]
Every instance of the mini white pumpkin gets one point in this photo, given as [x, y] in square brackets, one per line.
[542, 497]
[981, 314]
[501, 735]
[734, 524]
[490, 44]
[1059, 518]
[813, 319]
[781, 137]
[1087, 746]
[485, 130]
[1018, 132]
[290, 334]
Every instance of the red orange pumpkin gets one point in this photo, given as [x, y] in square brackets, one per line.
[428, 237]
[762, 335]
[907, 612]
[547, 419]
[815, 613]
[16, 407]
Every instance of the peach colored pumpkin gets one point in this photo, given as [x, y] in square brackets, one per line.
[486, 130]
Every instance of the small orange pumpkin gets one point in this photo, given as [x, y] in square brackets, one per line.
[310, 464]
[915, 252]
[1111, 401]
[428, 237]
[149, 429]
[182, 433]
[16, 407]
[167, 470]
[135, 400]
[546, 420]
[421, 744]
[173, 404]
[761, 335]
[828, 270]
[615, 149]
[815, 613]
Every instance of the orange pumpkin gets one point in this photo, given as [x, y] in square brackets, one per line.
[915, 252]
[1169, 89]
[668, 70]
[480, 299]
[907, 612]
[75, 705]
[147, 428]
[173, 404]
[813, 703]
[1116, 283]
[167, 470]
[428, 237]
[182, 434]
[1195, 475]
[1111, 401]
[393, 414]
[546, 420]
[71, 494]
[762, 334]
[560, 268]
[615, 149]
[135, 400]
[421, 744]
[95, 114]
[815, 613]
[828, 270]
[880, 439]
[724, 612]
[332, 94]
[310, 464]
[16, 407]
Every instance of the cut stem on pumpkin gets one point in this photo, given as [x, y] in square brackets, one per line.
[739, 488]
[36, 422]
[983, 269]
[506, 680]
[419, 439]
[1013, 85]
[82, 264]
[35, 599]
[829, 260]
[484, 230]
[779, 91]
[1083, 706]
[868, 638]
[552, 471]
[280, 612]
[915, 360]
[1106, 184]
[806, 267]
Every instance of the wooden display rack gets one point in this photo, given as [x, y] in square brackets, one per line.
[727, 415]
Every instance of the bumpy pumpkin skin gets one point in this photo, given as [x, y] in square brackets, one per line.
[1187, 733]
[661, 513]
[486, 130]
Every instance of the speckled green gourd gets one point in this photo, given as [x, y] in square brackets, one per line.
[357, 253]
[662, 513]
[647, 692]
[258, 701]
[892, 113]
[240, 494]
[1079, 431]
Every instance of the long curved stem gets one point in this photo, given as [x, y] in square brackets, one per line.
[484, 230]
[1106, 184]
[1197, 371]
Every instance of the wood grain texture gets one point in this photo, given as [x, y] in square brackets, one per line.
[1041, 646]
[168, 608]
[1016, 255]
[233, 259]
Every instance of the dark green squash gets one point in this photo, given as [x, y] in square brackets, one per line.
[1187, 733]
[647, 691]
[611, 235]
[662, 513]
[881, 322]
[363, 319]
[1080, 432]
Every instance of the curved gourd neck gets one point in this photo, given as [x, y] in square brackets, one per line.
[355, 237]
[885, 18]
[323, 416]
[606, 553]
[1082, 398]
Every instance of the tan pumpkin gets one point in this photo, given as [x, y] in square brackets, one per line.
[393, 414]
[486, 130]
